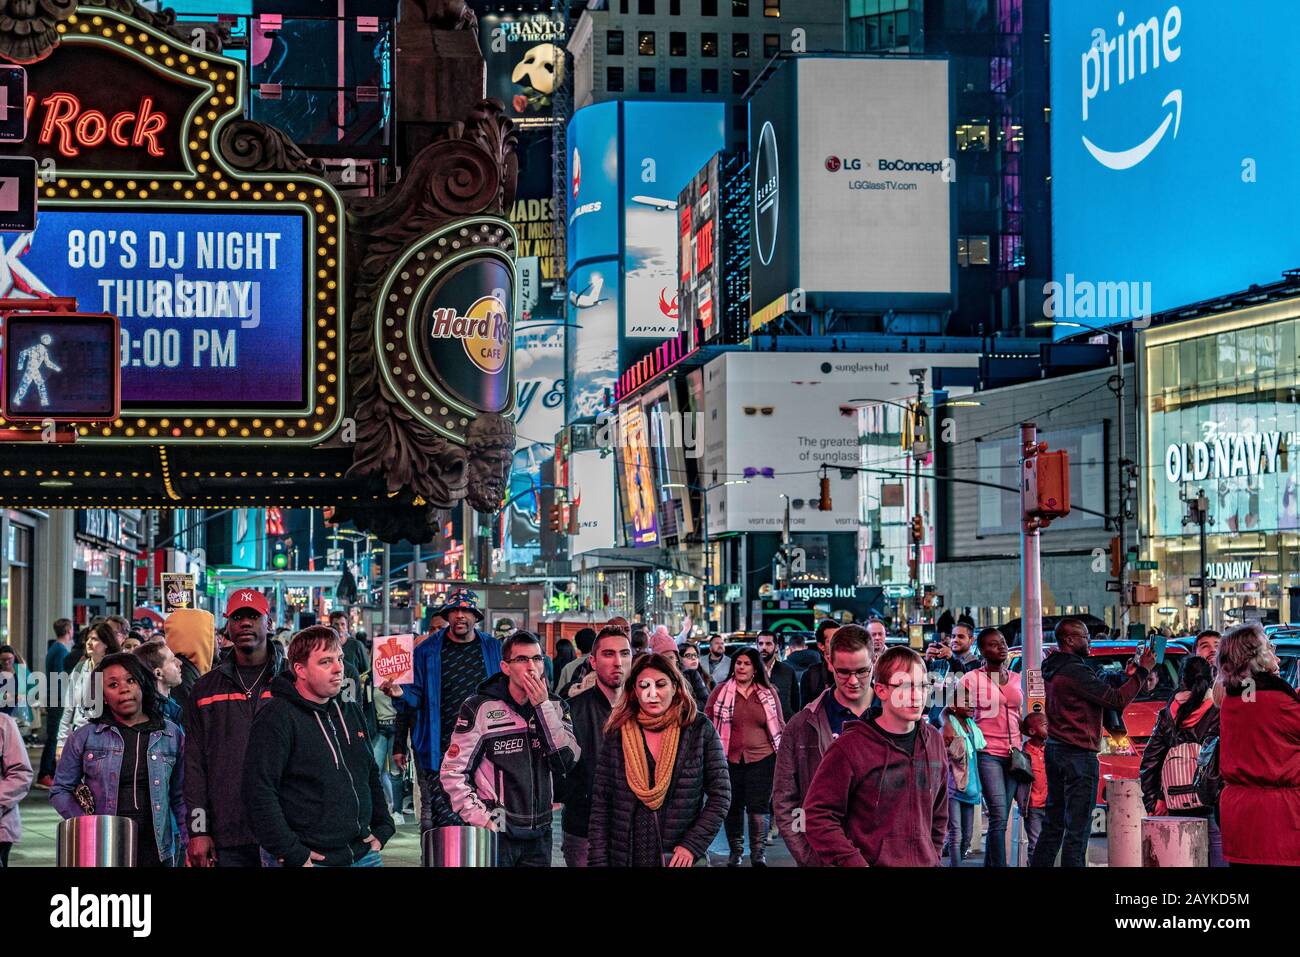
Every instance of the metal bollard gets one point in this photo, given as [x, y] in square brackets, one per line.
[1175, 842]
[461, 846]
[95, 840]
[1124, 813]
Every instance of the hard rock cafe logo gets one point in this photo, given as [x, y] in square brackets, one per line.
[577, 172]
[484, 330]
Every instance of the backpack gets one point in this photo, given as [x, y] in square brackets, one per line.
[1209, 783]
[1178, 777]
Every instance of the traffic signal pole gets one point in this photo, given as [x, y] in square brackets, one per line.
[1031, 593]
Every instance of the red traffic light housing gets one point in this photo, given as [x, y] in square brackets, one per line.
[556, 522]
[1049, 485]
[918, 529]
[824, 504]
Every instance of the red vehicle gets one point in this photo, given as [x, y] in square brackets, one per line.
[1121, 751]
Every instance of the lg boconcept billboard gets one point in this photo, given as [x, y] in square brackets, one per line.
[1173, 141]
[854, 204]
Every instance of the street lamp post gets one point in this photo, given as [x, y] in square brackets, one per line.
[1121, 482]
[919, 449]
[704, 537]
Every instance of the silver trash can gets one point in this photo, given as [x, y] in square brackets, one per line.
[96, 840]
[461, 846]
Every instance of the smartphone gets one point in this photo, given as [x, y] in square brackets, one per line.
[1161, 642]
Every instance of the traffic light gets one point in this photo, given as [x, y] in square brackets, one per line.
[280, 560]
[573, 518]
[1051, 485]
[1116, 558]
[918, 529]
[824, 505]
[557, 518]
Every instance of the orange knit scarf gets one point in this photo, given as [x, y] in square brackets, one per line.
[637, 769]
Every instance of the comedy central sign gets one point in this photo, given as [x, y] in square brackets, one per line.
[228, 282]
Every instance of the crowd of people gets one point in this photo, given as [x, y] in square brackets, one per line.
[247, 747]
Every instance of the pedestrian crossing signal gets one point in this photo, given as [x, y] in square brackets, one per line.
[62, 366]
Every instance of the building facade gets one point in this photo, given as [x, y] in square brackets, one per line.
[978, 546]
[998, 55]
[693, 49]
[1220, 417]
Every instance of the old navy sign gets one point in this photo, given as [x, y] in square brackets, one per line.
[1233, 454]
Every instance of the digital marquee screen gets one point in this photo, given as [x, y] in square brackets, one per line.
[211, 304]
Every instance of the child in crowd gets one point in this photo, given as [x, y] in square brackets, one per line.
[962, 737]
[1035, 726]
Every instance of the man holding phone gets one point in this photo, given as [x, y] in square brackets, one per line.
[1076, 697]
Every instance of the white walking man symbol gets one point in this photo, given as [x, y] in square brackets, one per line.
[33, 360]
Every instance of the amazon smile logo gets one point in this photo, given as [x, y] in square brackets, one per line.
[1114, 61]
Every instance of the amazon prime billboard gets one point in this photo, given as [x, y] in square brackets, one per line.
[1153, 103]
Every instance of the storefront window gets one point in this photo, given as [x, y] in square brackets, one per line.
[1285, 342]
[19, 595]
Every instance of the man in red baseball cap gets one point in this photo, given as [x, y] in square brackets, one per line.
[218, 718]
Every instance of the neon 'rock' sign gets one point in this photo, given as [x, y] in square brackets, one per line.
[68, 126]
[92, 108]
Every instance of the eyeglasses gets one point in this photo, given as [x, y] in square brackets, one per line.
[690, 654]
[756, 410]
[844, 674]
[527, 660]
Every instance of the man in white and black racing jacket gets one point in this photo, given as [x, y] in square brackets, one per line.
[510, 740]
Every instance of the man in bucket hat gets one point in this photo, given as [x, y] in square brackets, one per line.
[449, 667]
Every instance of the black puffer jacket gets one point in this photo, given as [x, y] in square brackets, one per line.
[589, 711]
[692, 813]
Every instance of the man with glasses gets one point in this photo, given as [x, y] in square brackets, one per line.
[510, 741]
[809, 734]
[880, 795]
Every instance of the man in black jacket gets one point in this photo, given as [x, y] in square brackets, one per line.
[780, 674]
[1075, 699]
[311, 784]
[218, 718]
[818, 676]
[508, 742]
[611, 658]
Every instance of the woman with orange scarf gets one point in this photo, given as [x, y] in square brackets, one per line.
[662, 788]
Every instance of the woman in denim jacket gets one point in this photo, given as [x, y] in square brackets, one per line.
[127, 762]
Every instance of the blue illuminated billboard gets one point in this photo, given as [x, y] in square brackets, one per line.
[211, 305]
[593, 183]
[664, 146]
[591, 360]
[1173, 137]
